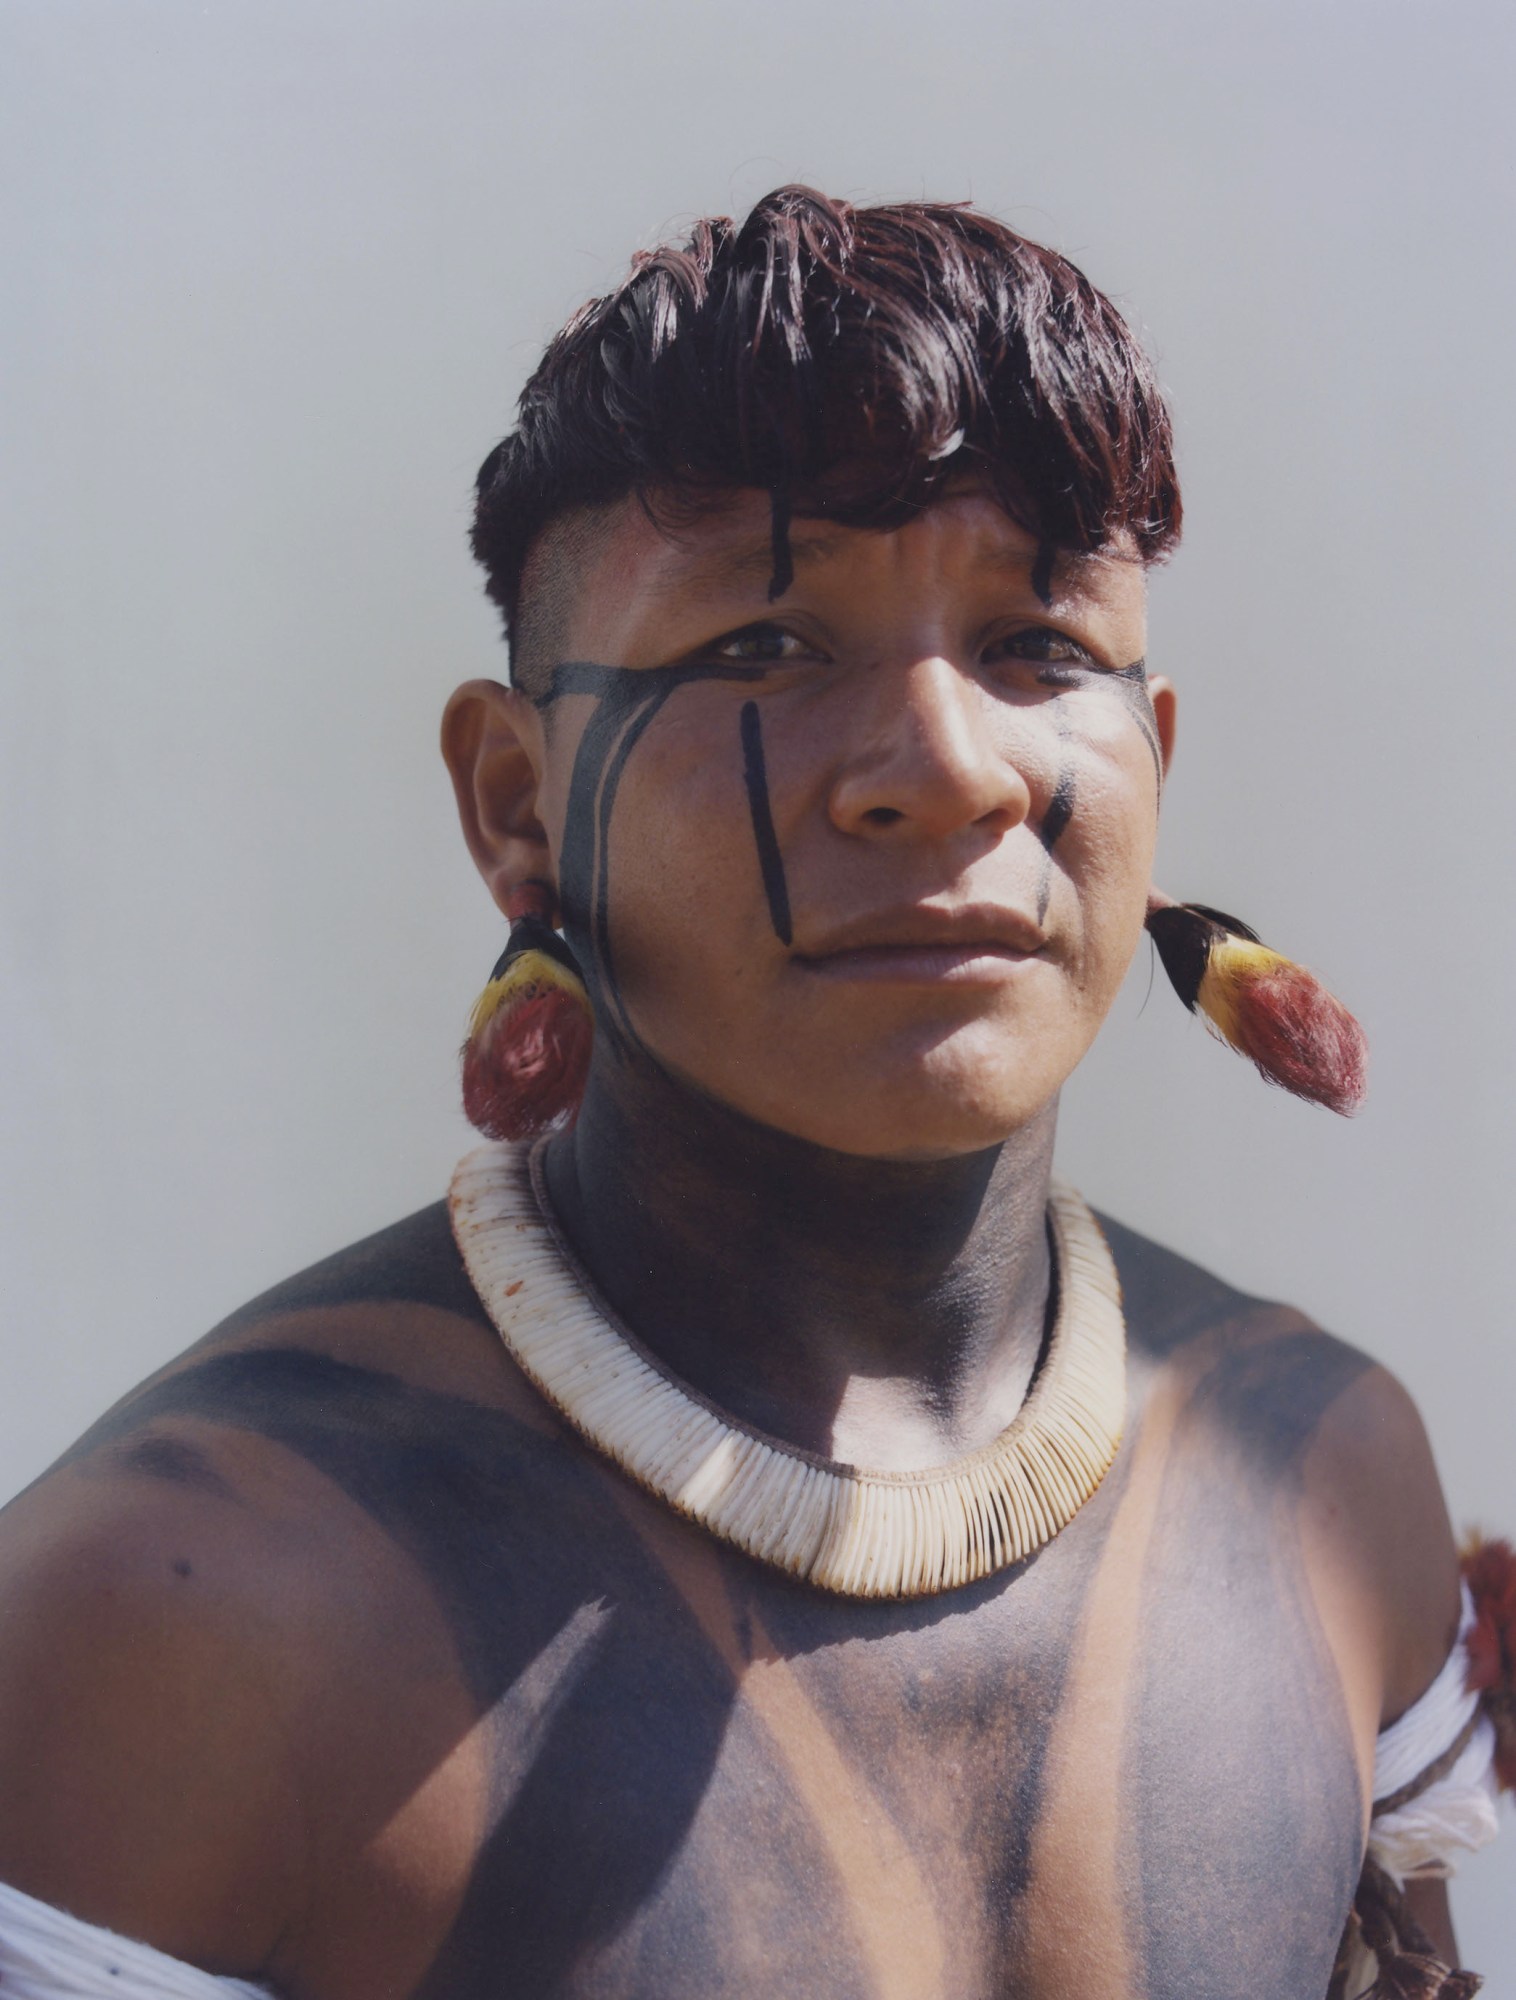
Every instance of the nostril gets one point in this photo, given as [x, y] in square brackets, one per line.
[883, 815]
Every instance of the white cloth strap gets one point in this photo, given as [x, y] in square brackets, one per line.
[1456, 1813]
[45, 1954]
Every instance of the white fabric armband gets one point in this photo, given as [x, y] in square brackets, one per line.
[1434, 1779]
[45, 1954]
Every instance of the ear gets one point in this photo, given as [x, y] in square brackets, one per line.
[1165, 714]
[494, 749]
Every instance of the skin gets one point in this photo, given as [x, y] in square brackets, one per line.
[331, 1659]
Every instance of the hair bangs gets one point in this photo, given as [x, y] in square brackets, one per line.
[853, 362]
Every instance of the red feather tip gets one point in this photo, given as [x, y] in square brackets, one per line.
[524, 1072]
[1489, 1569]
[1300, 1036]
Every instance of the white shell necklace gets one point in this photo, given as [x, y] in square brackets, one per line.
[841, 1527]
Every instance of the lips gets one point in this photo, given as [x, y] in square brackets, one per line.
[920, 943]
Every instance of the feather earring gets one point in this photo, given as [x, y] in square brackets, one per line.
[1260, 1003]
[531, 1031]
[1489, 1569]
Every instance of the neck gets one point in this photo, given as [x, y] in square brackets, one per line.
[883, 1312]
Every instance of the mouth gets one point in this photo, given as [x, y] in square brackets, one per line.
[978, 944]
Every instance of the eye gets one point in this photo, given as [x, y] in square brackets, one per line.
[1040, 644]
[758, 644]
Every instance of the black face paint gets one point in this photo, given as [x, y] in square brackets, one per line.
[1132, 685]
[627, 699]
[779, 529]
[1054, 821]
[1042, 572]
[582, 886]
[1060, 809]
[770, 860]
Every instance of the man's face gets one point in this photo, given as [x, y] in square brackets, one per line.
[866, 863]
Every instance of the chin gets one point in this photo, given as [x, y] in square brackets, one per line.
[923, 1110]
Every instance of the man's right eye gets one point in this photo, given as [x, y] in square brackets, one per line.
[757, 643]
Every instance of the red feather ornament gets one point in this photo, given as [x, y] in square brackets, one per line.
[531, 1032]
[1489, 1569]
[1262, 1004]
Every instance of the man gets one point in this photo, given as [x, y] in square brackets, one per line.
[364, 1653]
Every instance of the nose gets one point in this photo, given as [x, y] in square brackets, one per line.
[924, 757]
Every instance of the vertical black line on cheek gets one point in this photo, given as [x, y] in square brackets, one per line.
[626, 701]
[581, 867]
[1132, 684]
[770, 860]
[1042, 572]
[630, 737]
[576, 861]
[1060, 809]
[1054, 821]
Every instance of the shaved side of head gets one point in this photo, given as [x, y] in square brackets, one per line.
[558, 565]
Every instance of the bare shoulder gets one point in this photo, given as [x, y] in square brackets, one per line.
[217, 1603]
[1375, 1501]
[1315, 1424]
[146, 1763]
[1249, 1365]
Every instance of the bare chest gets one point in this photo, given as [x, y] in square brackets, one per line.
[1057, 1784]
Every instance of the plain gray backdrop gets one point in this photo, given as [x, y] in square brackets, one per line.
[275, 275]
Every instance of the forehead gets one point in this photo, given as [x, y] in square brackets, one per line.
[719, 559]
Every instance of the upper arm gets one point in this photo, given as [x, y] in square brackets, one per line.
[1374, 1496]
[146, 1775]
[1378, 1522]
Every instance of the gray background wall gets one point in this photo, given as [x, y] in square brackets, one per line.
[275, 274]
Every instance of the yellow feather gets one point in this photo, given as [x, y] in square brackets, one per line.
[524, 979]
[1234, 962]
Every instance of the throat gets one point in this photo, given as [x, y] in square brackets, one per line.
[887, 1313]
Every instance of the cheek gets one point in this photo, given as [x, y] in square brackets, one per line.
[682, 873]
[1108, 856]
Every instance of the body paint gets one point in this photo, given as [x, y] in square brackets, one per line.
[449, 1482]
[647, 1827]
[1132, 685]
[770, 860]
[1205, 1695]
[1042, 572]
[1131, 681]
[1060, 811]
[627, 699]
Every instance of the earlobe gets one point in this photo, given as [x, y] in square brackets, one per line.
[492, 744]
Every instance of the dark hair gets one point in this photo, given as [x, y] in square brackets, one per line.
[850, 360]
